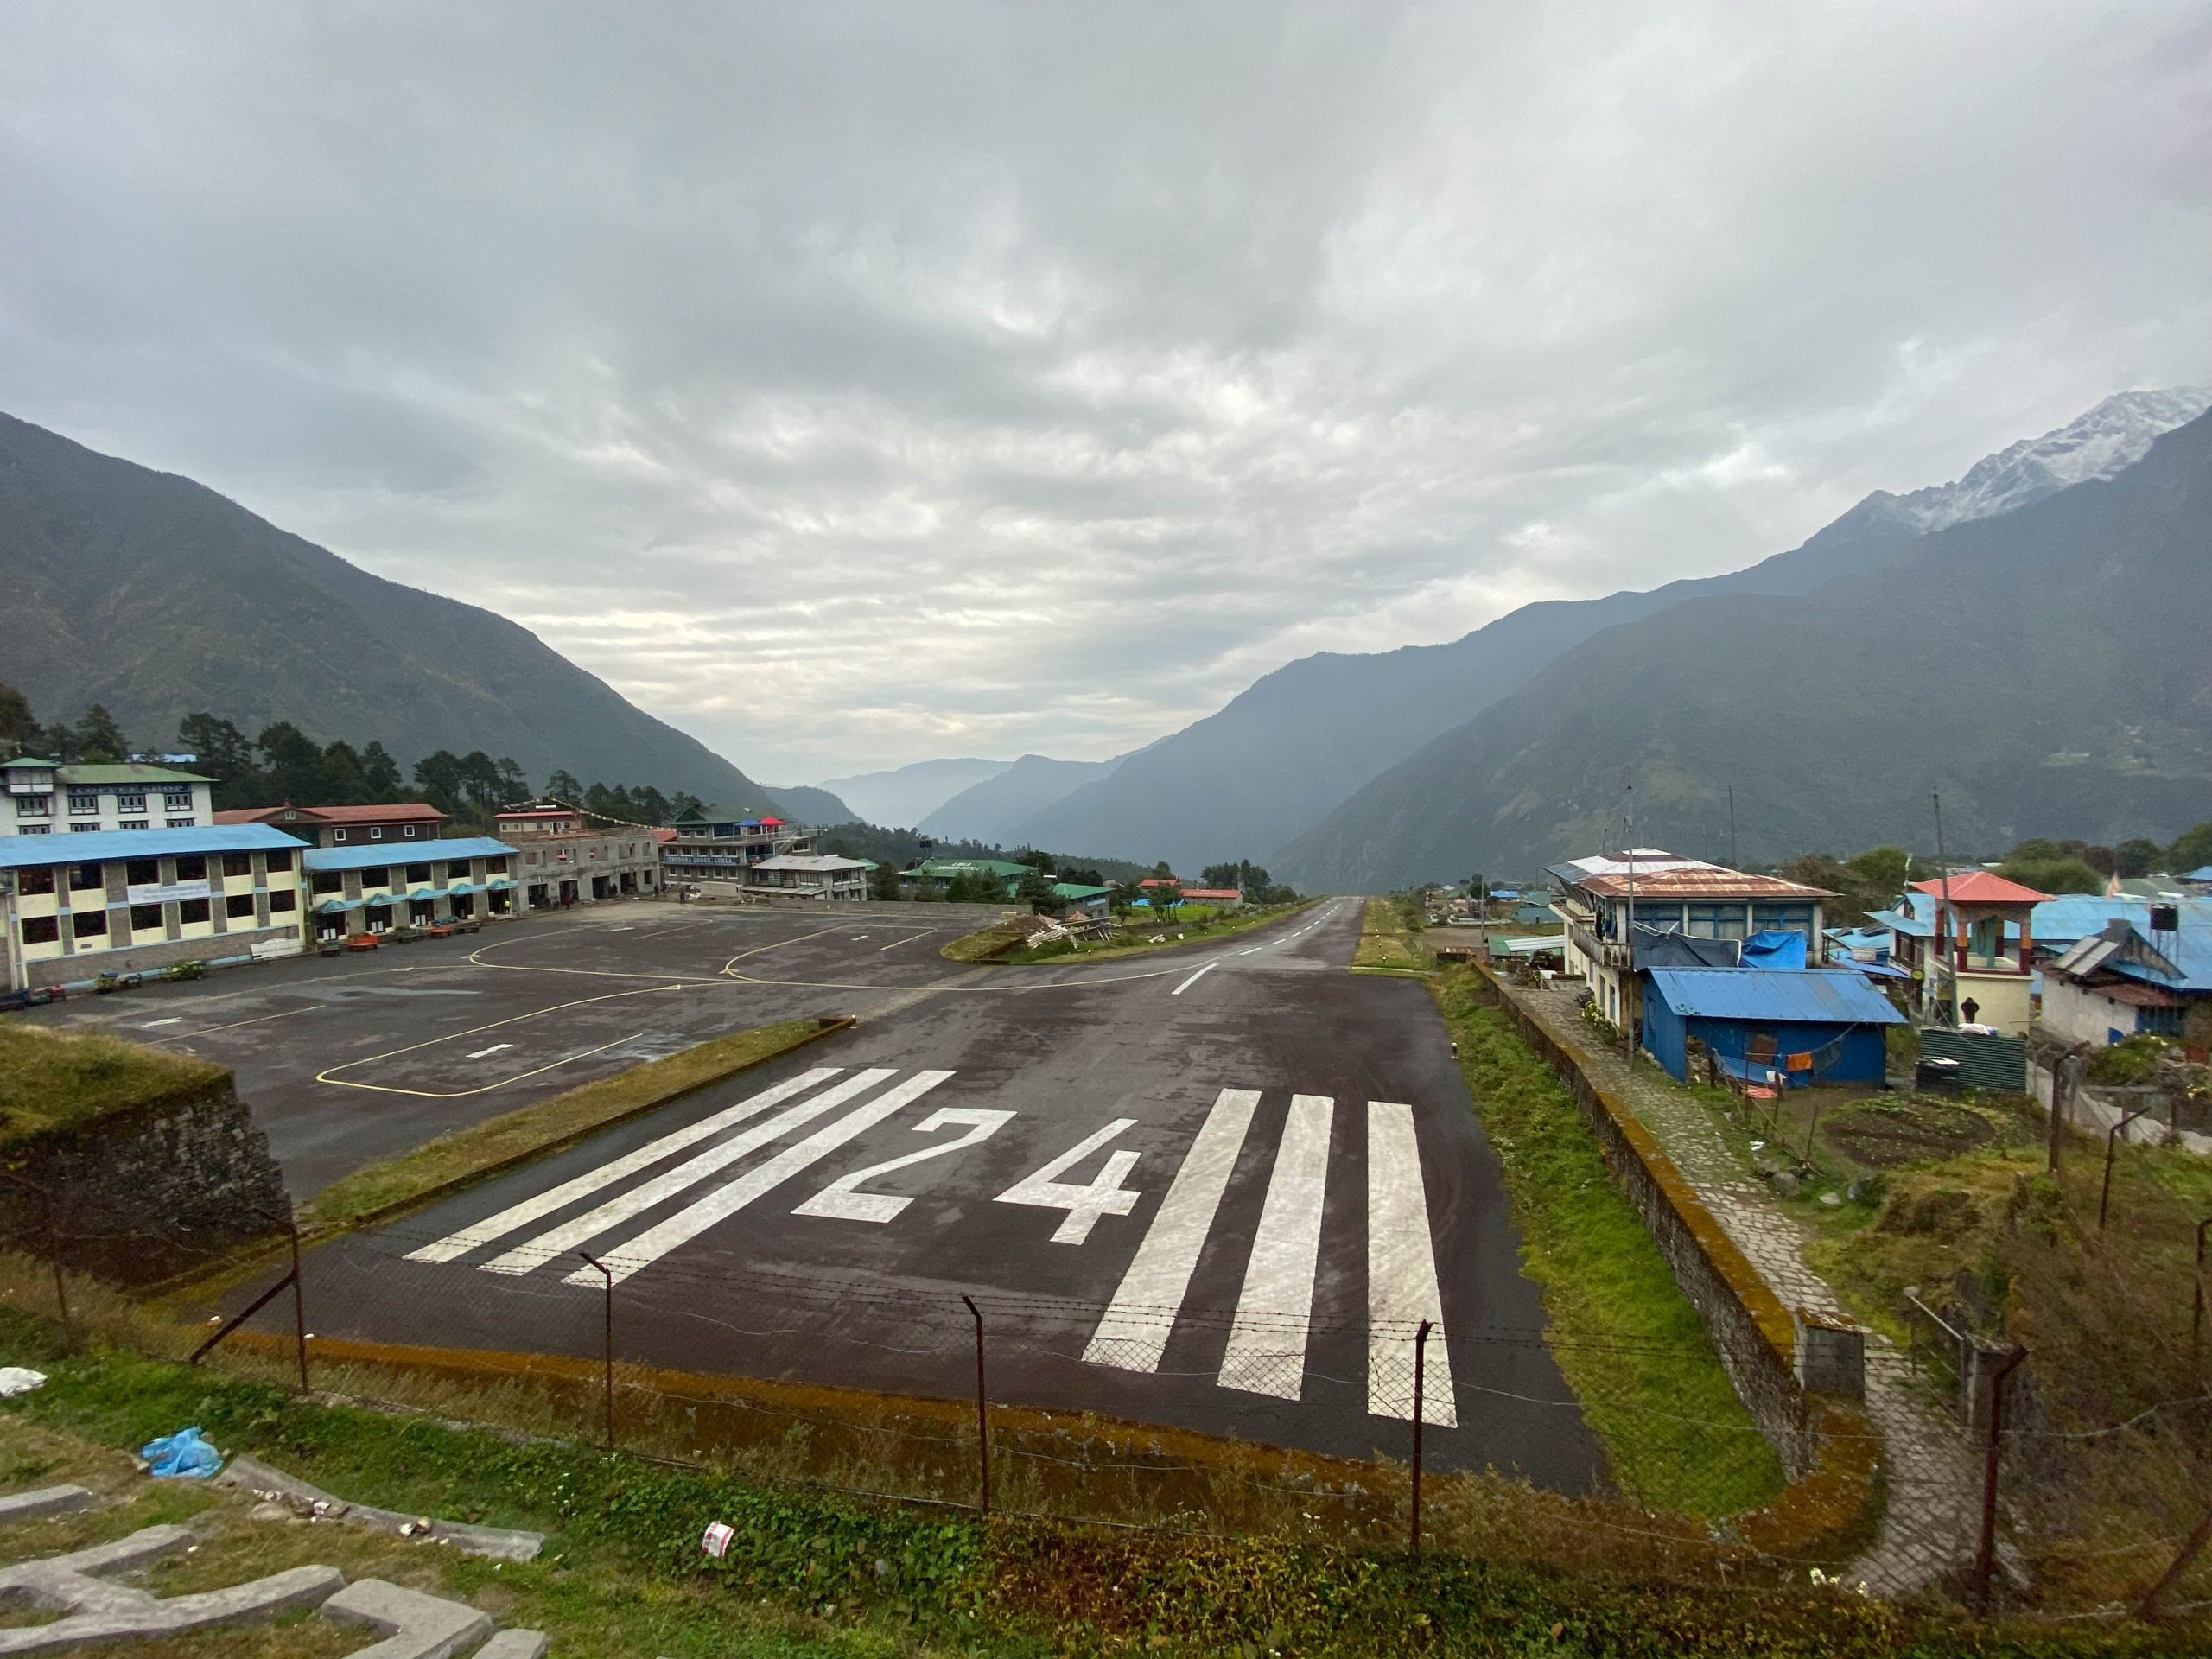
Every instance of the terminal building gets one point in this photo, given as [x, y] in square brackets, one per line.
[375, 889]
[132, 901]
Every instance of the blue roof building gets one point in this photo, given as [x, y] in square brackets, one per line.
[1791, 1026]
[79, 905]
[421, 883]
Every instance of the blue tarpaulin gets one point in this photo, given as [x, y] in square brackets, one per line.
[1775, 948]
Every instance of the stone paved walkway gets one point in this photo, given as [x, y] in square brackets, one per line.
[1928, 1525]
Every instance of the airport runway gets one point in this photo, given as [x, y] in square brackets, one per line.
[1219, 1186]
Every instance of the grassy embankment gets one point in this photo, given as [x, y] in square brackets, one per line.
[53, 1080]
[1953, 1197]
[1390, 938]
[622, 1576]
[1002, 942]
[1628, 1341]
[531, 1131]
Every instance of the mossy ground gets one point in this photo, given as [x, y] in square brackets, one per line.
[54, 1079]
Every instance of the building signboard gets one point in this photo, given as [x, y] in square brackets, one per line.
[155, 893]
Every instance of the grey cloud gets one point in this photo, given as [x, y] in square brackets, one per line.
[1014, 379]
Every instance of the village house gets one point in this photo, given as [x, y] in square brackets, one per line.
[811, 875]
[1982, 949]
[2133, 976]
[41, 798]
[1615, 908]
[720, 843]
[561, 858]
[138, 901]
[346, 826]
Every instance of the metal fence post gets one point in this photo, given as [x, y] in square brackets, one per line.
[2197, 1301]
[2111, 1146]
[299, 1305]
[1421, 1373]
[607, 1348]
[982, 1421]
[2147, 1609]
[1985, 1558]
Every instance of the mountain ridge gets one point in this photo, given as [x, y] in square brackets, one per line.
[1249, 780]
[2042, 667]
[102, 557]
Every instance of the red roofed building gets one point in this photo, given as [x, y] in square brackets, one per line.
[346, 826]
[1219, 898]
[1980, 961]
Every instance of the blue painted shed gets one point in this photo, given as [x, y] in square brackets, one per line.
[1811, 1025]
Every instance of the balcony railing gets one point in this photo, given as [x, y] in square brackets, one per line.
[1606, 953]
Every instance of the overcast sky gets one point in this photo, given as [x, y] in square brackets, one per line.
[850, 385]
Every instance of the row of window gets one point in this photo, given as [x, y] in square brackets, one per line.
[376, 832]
[379, 875]
[147, 919]
[85, 803]
[147, 872]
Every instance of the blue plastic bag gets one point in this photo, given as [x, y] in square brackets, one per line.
[182, 1454]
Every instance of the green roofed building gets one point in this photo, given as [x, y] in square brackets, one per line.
[940, 874]
[45, 798]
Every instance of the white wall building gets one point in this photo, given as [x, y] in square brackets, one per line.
[45, 798]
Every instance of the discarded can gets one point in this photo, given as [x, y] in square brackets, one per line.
[715, 1542]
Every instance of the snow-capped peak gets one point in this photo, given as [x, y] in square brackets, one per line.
[2110, 439]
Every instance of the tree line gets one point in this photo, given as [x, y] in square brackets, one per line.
[282, 763]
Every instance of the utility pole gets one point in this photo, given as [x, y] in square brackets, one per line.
[1628, 985]
[1944, 922]
[1732, 862]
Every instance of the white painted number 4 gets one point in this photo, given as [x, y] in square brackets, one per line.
[1104, 1196]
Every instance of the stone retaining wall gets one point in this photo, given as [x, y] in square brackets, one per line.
[1754, 1333]
[144, 1194]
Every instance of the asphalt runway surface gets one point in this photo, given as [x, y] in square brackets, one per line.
[1219, 1186]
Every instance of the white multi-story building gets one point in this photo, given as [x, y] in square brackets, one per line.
[46, 798]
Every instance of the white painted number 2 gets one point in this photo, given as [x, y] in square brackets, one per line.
[840, 1200]
[1104, 1196]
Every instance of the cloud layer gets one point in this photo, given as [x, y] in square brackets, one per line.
[849, 385]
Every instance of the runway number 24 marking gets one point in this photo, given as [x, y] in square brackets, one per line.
[842, 1199]
[1104, 1195]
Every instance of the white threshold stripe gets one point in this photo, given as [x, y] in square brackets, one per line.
[1401, 1288]
[521, 1215]
[1275, 1314]
[580, 1229]
[724, 1202]
[1133, 1334]
[1194, 979]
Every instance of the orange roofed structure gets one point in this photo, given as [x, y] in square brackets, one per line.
[1980, 961]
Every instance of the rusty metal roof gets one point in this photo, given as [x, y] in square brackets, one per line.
[1709, 881]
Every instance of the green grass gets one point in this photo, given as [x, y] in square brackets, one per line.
[50, 1079]
[500, 1142]
[1136, 939]
[813, 1573]
[1628, 1341]
[1001, 941]
[1388, 943]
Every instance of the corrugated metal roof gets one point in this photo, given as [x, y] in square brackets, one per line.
[98, 846]
[126, 772]
[1704, 881]
[1982, 887]
[405, 852]
[395, 812]
[817, 863]
[1809, 996]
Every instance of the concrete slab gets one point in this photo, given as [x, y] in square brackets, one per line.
[96, 1611]
[515, 1644]
[46, 1500]
[312, 1503]
[413, 1625]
